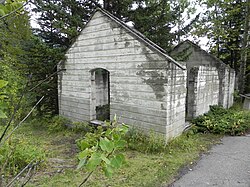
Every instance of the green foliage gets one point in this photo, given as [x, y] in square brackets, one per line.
[41, 61]
[9, 6]
[62, 20]
[17, 153]
[146, 143]
[222, 121]
[58, 123]
[223, 24]
[81, 127]
[12, 65]
[156, 20]
[2, 97]
[102, 112]
[100, 148]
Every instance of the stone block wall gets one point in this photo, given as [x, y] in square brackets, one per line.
[176, 102]
[226, 89]
[203, 90]
[231, 86]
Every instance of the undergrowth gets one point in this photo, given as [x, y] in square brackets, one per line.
[146, 143]
[218, 120]
[16, 153]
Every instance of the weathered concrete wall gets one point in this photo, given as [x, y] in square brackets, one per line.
[176, 102]
[207, 89]
[204, 66]
[231, 89]
[146, 90]
[226, 89]
[224, 86]
[204, 90]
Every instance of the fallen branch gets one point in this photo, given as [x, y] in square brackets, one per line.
[30, 166]
[30, 176]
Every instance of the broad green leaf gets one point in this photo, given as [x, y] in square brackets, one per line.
[108, 131]
[120, 144]
[81, 163]
[108, 171]
[117, 161]
[117, 136]
[3, 83]
[2, 13]
[84, 145]
[124, 128]
[83, 154]
[94, 161]
[2, 114]
[106, 145]
[105, 159]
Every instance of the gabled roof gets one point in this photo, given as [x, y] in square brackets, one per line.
[140, 37]
[201, 50]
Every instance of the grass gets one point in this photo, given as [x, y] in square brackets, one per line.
[142, 168]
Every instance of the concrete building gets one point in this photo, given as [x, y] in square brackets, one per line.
[209, 80]
[113, 69]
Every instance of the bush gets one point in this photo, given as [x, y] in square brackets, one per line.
[146, 143]
[16, 154]
[223, 121]
[58, 123]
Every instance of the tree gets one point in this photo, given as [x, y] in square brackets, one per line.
[120, 8]
[155, 19]
[245, 50]
[61, 21]
[41, 62]
[12, 68]
[223, 23]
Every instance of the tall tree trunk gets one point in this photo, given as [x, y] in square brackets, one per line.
[242, 75]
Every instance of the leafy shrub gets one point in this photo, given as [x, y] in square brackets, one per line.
[101, 148]
[147, 143]
[16, 154]
[58, 123]
[223, 121]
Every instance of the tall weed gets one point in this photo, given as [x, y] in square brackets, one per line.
[147, 143]
[16, 153]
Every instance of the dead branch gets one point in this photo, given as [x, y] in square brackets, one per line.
[1, 143]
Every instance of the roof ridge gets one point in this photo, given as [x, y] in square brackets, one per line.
[202, 50]
[141, 36]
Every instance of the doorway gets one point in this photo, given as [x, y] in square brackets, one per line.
[100, 94]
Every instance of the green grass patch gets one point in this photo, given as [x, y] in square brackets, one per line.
[149, 162]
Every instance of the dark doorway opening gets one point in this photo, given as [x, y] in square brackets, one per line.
[100, 101]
